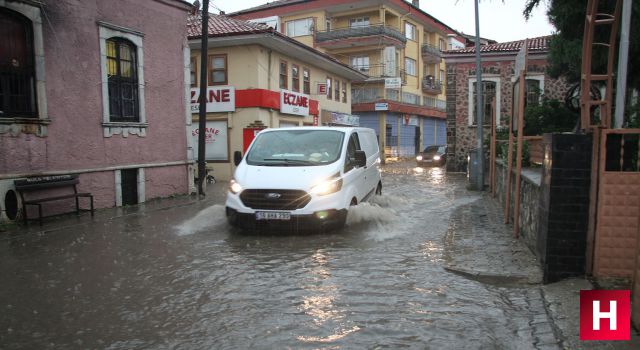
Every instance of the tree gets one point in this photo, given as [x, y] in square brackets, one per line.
[565, 47]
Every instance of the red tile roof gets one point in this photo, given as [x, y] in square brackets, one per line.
[269, 5]
[223, 26]
[535, 44]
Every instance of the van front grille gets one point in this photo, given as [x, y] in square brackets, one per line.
[275, 199]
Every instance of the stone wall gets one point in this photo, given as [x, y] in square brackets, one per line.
[463, 135]
[529, 199]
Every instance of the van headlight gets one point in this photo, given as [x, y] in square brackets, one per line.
[419, 158]
[328, 186]
[436, 157]
[234, 187]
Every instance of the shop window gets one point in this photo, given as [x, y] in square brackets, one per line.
[218, 70]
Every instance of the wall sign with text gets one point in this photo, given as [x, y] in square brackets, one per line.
[216, 144]
[294, 103]
[219, 99]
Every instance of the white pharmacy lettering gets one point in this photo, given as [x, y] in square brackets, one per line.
[611, 315]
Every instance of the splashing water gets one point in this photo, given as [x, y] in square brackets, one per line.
[370, 212]
[213, 216]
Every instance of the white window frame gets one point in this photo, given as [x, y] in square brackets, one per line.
[410, 34]
[360, 63]
[538, 77]
[410, 62]
[34, 14]
[359, 22]
[291, 27]
[472, 101]
[108, 31]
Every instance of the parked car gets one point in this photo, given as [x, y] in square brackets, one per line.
[306, 177]
[432, 156]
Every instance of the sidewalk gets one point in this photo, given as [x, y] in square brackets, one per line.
[479, 246]
[215, 194]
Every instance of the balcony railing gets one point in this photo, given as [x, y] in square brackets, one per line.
[431, 85]
[431, 54]
[380, 71]
[360, 31]
[370, 95]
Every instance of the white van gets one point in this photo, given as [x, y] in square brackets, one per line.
[303, 177]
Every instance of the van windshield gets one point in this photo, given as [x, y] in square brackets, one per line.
[296, 148]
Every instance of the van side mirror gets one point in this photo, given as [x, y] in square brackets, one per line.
[361, 159]
[237, 157]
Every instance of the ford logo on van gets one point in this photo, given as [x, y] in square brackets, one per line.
[272, 196]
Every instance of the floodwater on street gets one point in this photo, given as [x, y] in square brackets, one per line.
[180, 278]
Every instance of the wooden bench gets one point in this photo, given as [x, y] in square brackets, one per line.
[40, 183]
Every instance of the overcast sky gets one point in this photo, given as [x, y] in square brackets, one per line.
[498, 21]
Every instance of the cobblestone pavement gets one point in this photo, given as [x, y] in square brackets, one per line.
[478, 244]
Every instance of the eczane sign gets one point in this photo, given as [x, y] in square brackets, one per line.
[294, 103]
[219, 99]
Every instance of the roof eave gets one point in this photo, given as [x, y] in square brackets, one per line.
[277, 42]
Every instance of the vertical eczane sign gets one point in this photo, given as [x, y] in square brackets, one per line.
[216, 144]
[294, 103]
[219, 99]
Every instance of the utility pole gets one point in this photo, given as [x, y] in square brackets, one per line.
[202, 115]
[479, 111]
[623, 62]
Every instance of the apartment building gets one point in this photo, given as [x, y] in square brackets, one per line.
[259, 78]
[399, 48]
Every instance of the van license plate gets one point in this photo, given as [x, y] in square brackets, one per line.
[268, 215]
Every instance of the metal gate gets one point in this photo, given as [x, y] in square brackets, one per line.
[618, 205]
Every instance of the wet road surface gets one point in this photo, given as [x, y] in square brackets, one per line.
[180, 278]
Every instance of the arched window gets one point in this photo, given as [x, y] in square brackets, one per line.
[17, 83]
[123, 80]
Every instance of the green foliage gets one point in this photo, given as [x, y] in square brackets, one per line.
[549, 116]
[632, 115]
[565, 52]
[503, 153]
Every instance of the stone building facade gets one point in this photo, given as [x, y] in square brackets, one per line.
[498, 76]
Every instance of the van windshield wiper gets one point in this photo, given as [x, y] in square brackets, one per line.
[288, 161]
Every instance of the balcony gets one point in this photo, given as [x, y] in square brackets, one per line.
[431, 54]
[431, 86]
[371, 95]
[359, 36]
[378, 72]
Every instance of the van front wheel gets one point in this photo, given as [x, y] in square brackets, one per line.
[379, 189]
